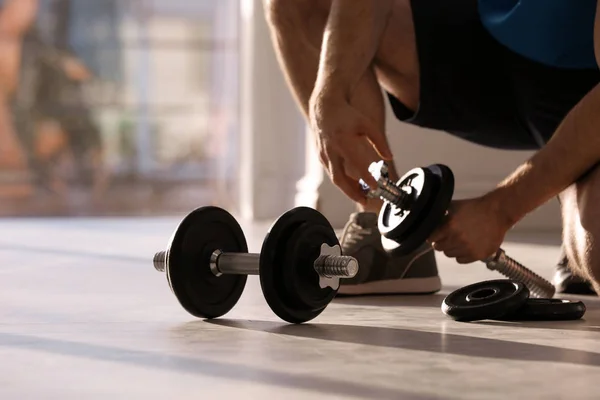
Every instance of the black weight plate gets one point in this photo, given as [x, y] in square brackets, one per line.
[289, 282]
[547, 310]
[485, 300]
[395, 223]
[197, 289]
[300, 278]
[442, 189]
[437, 208]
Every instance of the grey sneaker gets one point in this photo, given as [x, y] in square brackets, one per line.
[381, 272]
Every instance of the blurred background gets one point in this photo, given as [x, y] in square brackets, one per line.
[117, 106]
[155, 107]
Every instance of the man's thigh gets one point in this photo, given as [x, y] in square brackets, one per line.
[463, 81]
[544, 95]
[462, 86]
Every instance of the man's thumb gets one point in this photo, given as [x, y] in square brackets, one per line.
[378, 140]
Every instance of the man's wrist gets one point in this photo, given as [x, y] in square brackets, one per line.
[326, 95]
[506, 207]
[331, 88]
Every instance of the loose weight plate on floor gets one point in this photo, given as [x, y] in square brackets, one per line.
[485, 300]
[288, 279]
[547, 310]
[431, 189]
[197, 289]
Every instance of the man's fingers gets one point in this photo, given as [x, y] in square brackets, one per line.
[438, 236]
[378, 140]
[449, 247]
[349, 186]
[334, 164]
[465, 260]
[335, 169]
[351, 189]
[453, 252]
[444, 230]
[358, 156]
[441, 244]
[356, 175]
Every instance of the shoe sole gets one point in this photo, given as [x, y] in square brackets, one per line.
[394, 286]
[579, 288]
[571, 284]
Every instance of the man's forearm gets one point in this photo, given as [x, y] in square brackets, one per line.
[573, 150]
[350, 41]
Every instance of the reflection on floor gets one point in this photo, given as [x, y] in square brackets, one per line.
[85, 316]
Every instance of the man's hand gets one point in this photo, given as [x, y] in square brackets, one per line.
[473, 230]
[347, 141]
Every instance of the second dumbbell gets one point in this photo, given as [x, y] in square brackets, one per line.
[300, 264]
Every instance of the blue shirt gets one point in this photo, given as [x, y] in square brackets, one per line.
[559, 33]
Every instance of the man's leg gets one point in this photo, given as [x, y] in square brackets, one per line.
[297, 30]
[581, 227]
[565, 280]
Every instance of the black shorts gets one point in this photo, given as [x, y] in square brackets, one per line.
[473, 87]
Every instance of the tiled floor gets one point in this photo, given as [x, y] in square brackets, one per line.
[85, 316]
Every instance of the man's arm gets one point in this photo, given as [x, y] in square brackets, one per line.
[348, 141]
[352, 35]
[573, 150]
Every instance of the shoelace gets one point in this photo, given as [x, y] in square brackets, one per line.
[353, 235]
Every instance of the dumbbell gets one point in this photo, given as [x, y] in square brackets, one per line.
[300, 264]
[417, 203]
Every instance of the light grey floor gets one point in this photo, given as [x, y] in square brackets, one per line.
[85, 316]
